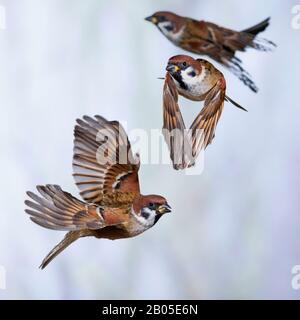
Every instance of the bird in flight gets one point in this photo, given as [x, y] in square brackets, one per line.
[196, 80]
[218, 43]
[106, 173]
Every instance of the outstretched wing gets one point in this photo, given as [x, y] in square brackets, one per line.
[173, 124]
[56, 209]
[105, 170]
[204, 126]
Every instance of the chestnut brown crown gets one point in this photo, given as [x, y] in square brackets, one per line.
[182, 62]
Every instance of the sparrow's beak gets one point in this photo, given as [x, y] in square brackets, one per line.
[152, 19]
[172, 68]
[164, 208]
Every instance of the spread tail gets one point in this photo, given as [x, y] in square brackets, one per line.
[248, 37]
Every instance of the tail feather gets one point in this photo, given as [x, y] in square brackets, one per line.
[258, 27]
[250, 39]
[262, 44]
[240, 41]
[235, 103]
[69, 238]
[247, 40]
[56, 209]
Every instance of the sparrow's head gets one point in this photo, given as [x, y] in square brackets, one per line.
[184, 69]
[167, 22]
[149, 209]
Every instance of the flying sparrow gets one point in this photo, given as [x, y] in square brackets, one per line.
[218, 43]
[106, 173]
[196, 80]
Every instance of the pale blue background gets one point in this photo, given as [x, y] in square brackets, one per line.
[234, 231]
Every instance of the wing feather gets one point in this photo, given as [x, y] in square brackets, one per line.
[58, 210]
[103, 162]
[173, 123]
[204, 126]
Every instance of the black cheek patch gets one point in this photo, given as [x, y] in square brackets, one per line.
[145, 214]
[192, 74]
[169, 28]
[182, 84]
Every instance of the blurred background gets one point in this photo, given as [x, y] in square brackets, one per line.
[234, 231]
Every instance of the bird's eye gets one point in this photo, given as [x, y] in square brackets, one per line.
[151, 205]
[184, 64]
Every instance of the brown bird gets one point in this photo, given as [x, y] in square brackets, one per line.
[196, 80]
[106, 173]
[218, 43]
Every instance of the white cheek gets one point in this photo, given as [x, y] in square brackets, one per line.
[187, 78]
[195, 84]
[152, 214]
[170, 34]
[145, 223]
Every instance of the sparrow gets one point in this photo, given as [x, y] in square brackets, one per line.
[218, 43]
[196, 80]
[106, 173]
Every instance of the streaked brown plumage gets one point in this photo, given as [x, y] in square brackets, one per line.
[106, 173]
[218, 43]
[196, 80]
